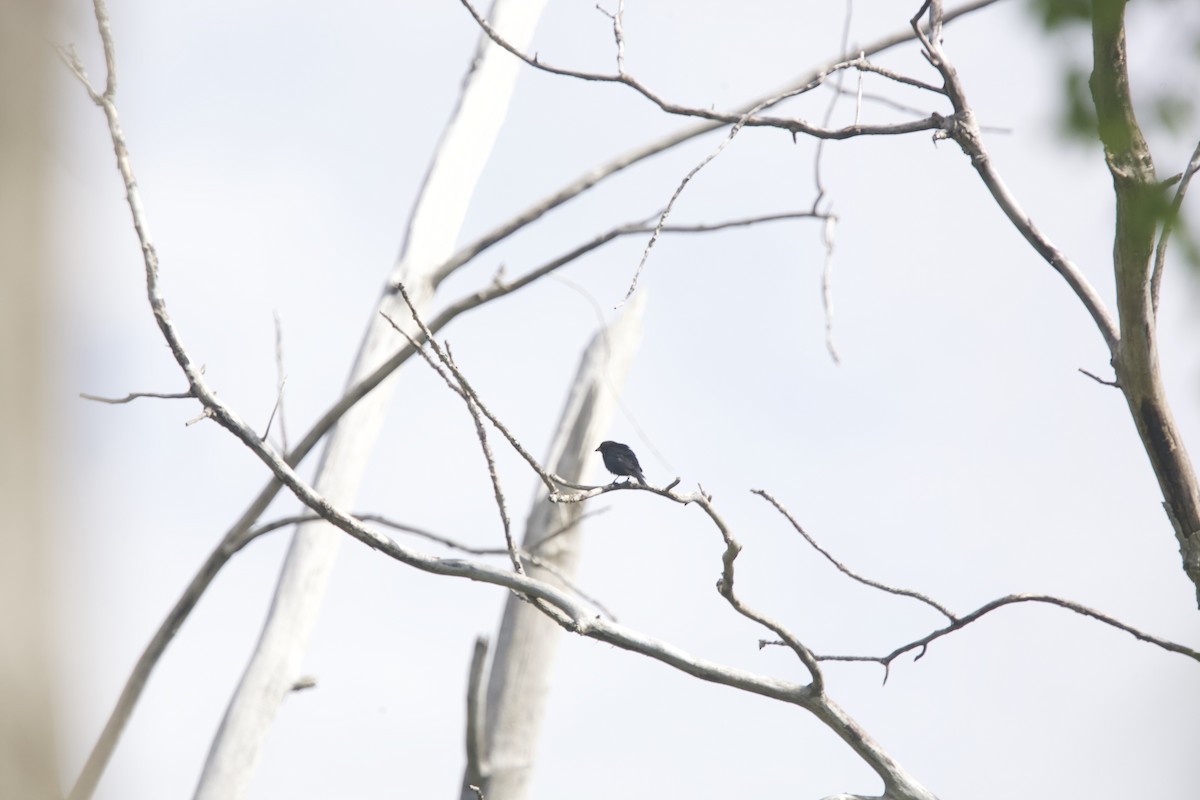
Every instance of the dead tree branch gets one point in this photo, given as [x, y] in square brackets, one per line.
[794, 125]
[1168, 225]
[116, 401]
[923, 643]
[233, 538]
[842, 568]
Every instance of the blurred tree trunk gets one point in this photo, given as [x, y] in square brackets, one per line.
[27, 762]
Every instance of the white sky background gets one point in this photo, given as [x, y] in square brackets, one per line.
[955, 451]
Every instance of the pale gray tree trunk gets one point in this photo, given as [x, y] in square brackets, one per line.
[528, 640]
[433, 231]
[27, 747]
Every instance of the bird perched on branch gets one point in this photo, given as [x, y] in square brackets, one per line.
[620, 461]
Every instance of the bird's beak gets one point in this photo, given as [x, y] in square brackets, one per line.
[597, 450]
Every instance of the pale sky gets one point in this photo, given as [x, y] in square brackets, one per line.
[955, 450]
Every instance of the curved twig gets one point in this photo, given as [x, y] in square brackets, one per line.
[965, 131]
[961, 622]
[883, 587]
[1160, 251]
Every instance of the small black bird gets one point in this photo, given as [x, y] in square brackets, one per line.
[620, 460]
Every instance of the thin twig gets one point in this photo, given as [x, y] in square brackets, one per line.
[965, 131]
[618, 33]
[1100, 380]
[274, 410]
[828, 238]
[526, 555]
[922, 644]
[116, 401]
[281, 378]
[827, 233]
[564, 529]
[725, 587]
[794, 125]
[883, 587]
[860, 95]
[461, 390]
[497, 489]
[1160, 252]
[662, 219]
[453, 544]
[594, 176]
[552, 482]
[837, 83]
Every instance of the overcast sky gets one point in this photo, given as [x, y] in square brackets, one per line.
[955, 450]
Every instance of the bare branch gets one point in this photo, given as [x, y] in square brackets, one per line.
[477, 761]
[595, 512]
[1100, 380]
[71, 59]
[827, 236]
[281, 381]
[497, 490]
[831, 221]
[923, 643]
[560, 606]
[837, 84]
[862, 65]
[116, 401]
[662, 219]
[549, 480]
[794, 125]
[274, 410]
[732, 549]
[445, 376]
[882, 100]
[1160, 252]
[472, 407]
[1138, 195]
[736, 223]
[424, 533]
[232, 539]
[618, 33]
[725, 587]
[633, 157]
[239, 533]
[883, 587]
[965, 131]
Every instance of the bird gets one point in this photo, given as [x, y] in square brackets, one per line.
[620, 461]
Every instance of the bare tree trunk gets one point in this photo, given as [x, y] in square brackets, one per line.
[1139, 213]
[432, 233]
[27, 763]
[502, 764]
